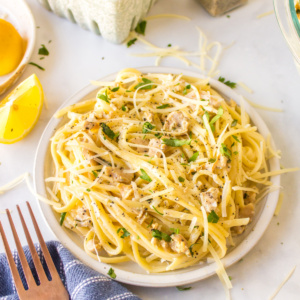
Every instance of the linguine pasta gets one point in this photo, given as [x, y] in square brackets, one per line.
[158, 169]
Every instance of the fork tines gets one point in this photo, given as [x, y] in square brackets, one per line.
[53, 289]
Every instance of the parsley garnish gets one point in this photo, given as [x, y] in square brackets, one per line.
[141, 27]
[150, 223]
[95, 173]
[194, 157]
[112, 273]
[175, 142]
[163, 106]
[225, 151]
[157, 210]
[104, 97]
[228, 83]
[230, 278]
[108, 131]
[145, 84]
[234, 122]
[211, 160]
[131, 42]
[191, 249]
[43, 50]
[181, 179]
[125, 232]
[88, 190]
[235, 137]
[235, 153]
[115, 89]
[36, 65]
[145, 176]
[181, 289]
[160, 235]
[62, 218]
[213, 217]
[158, 135]
[169, 45]
[187, 87]
[147, 127]
[123, 108]
[217, 116]
[175, 230]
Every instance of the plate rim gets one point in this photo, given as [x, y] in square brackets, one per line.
[157, 279]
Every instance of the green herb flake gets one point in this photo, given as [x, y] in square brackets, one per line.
[141, 27]
[191, 248]
[194, 157]
[175, 230]
[236, 138]
[62, 218]
[230, 278]
[108, 131]
[150, 223]
[181, 289]
[212, 160]
[131, 42]
[137, 237]
[217, 116]
[225, 151]
[36, 65]
[145, 176]
[175, 142]
[104, 97]
[147, 127]
[169, 45]
[161, 235]
[235, 153]
[213, 217]
[145, 85]
[157, 210]
[187, 87]
[234, 122]
[115, 89]
[125, 232]
[112, 273]
[88, 190]
[181, 179]
[123, 108]
[43, 50]
[227, 82]
[163, 106]
[228, 16]
[95, 173]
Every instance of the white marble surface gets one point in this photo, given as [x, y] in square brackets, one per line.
[258, 57]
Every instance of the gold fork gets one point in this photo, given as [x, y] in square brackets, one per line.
[53, 289]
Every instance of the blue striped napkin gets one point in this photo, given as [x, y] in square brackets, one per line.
[81, 282]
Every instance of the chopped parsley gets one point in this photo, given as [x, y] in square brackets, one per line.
[62, 218]
[163, 106]
[43, 50]
[217, 116]
[112, 273]
[235, 153]
[145, 84]
[169, 45]
[181, 179]
[227, 82]
[147, 127]
[236, 138]
[131, 42]
[213, 217]
[150, 223]
[95, 173]
[115, 89]
[145, 176]
[175, 142]
[108, 131]
[161, 235]
[181, 289]
[175, 230]
[125, 232]
[212, 160]
[141, 27]
[234, 122]
[194, 157]
[104, 97]
[157, 210]
[191, 248]
[187, 87]
[36, 65]
[88, 190]
[230, 278]
[225, 151]
[123, 107]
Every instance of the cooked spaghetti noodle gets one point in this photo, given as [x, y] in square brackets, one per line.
[158, 169]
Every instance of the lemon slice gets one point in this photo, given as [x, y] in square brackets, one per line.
[20, 110]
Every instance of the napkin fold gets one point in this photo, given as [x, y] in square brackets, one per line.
[82, 282]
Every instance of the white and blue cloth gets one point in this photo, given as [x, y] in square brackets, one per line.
[81, 282]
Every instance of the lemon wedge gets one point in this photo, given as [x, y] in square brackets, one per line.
[20, 110]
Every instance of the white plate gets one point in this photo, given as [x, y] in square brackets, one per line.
[130, 272]
[18, 13]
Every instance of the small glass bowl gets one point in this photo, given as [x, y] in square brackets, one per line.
[290, 27]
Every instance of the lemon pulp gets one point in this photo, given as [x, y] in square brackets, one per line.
[11, 47]
[20, 110]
